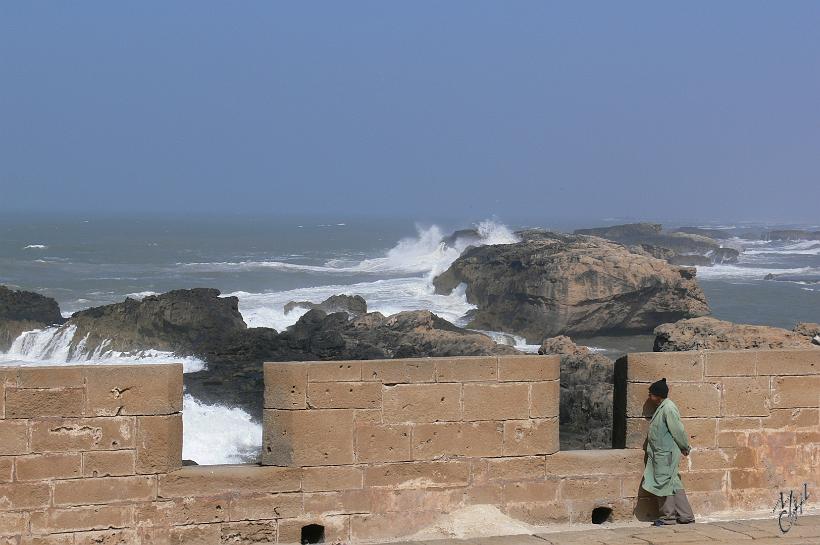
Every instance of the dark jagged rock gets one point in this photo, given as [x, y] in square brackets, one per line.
[712, 334]
[807, 329]
[354, 305]
[185, 322]
[571, 285]
[23, 311]
[717, 234]
[791, 234]
[653, 251]
[466, 236]
[587, 384]
[724, 255]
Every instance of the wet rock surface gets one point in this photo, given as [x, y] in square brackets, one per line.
[23, 311]
[551, 284]
[354, 305]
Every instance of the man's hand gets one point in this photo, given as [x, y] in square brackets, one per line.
[685, 451]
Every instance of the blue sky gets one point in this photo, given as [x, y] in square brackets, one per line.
[698, 110]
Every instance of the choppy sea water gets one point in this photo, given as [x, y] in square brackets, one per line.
[84, 262]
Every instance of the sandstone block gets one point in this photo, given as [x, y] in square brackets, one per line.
[56, 539]
[792, 418]
[133, 389]
[527, 437]
[19, 496]
[383, 443]
[159, 443]
[308, 438]
[517, 468]
[399, 371]
[385, 500]
[702, 431]
[367, 416]
[422, 403]
[603, 489]
[70, 376]
[43, 467]
[6, 469]
[109, 463]
[38, 403]
[344, 395]
[321, 479]
[466, 369]
[485, 494]
[182, 511]
[733, 363]
[505, 401]
[755, 478]
[539, 513]
[675, 366]
[70, 435]
[533, 491]
[746, 396]
[342, 502]
[192, 481]
[13, 437]
[202, 534]
[285, 385]
[788, 362]
[105, 490]
[706, 481]
[636, 429]
[732, 439]
[443, 439]
[791, 392]
[249, 532]
[266, 506]
[528, 368]
[107, 537]
[12, 523]
[389, 526]
[693, 399]
[99, 517]
[594, 462]
[418, 474]
[545, 399]
[740, 423]
[637, 401]
[335, 371]
[337, 529]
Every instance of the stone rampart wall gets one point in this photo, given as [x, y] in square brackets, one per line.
[376, 450]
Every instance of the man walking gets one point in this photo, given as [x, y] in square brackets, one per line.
[666, 441]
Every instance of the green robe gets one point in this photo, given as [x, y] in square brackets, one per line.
[665, 441]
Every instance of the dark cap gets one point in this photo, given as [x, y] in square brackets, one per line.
[659, 388]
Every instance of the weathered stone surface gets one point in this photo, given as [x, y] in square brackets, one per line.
[50, 377]
[109, 463]
[182, 511]
[466, 369]
[159, 443]
[6, 469]
[422, 403]
[788, 362]
[13, 437]
[570, 285]
[100, 517]
[528, 368]
[736, 363]
[133, 389]
[692, 398]
[388, 526]
[383, 443]
[398, 372]
[526, 437]
[266, 506]
[354, 305]
[44, 467]
[340, 371]
[649, 367]
[595, 462]
[344, 395]
[337, 528]
[338, 502]
[517, 468]
[445, 439]
[707, 333]
[435, 474]
[249, 532]
[70, 435]
[38, 403]
[221, 480]
[321, 479]
[545, 399]
[746, 396]
[505, 401]
[105, 490]
[534, 491]
[308, 438]
[793, 391]
[285, 385]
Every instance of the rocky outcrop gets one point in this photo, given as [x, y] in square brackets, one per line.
[791, 234]
[717, 234]
[181, 321]
[724, 255]
[354, 305]
[23, 311]
[586, 395]
[463, 236]
[807, 329]
[712, 334]
[572, 285]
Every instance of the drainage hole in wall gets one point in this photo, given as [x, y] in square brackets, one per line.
[313, 533]
[601, 515]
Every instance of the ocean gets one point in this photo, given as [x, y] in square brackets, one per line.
[267, 262]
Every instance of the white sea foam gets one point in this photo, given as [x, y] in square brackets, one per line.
[749, 273]
[53, 346]
[214, 434]
[140, 295]
[35, 247]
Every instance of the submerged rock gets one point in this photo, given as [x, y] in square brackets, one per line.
[791, 234]
[712, 334]
[574, 285]
[354, 305]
